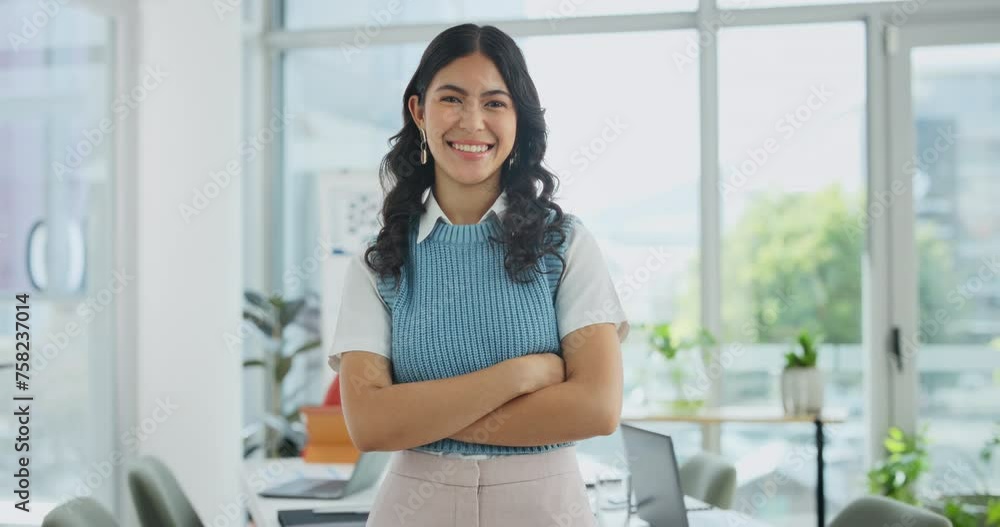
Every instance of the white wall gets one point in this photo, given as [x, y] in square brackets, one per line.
[188, 269]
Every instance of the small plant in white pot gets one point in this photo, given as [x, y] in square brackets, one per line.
[801, 380]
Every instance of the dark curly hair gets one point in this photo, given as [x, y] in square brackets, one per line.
[532, 224]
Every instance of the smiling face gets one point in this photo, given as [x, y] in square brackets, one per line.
[468, 116]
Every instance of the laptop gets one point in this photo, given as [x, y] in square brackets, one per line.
[366, 473]
[656, 478]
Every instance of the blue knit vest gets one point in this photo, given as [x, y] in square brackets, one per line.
[457, 311]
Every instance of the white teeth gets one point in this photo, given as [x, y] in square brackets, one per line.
[470, 148]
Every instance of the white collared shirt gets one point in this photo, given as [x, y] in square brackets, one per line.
[585, 296]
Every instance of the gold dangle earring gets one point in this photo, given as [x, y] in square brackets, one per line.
[423, 147]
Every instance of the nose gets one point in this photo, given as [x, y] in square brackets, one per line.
[471, 119]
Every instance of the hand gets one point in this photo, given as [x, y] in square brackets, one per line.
[540, 370]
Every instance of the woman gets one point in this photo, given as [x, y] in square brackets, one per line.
[478, 335]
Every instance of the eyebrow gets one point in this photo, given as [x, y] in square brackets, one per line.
[463, 92]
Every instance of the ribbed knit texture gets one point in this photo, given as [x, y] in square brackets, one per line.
[457, 311]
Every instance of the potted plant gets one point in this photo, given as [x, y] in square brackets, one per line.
[273, 317]
[801, 380]
[681, 359]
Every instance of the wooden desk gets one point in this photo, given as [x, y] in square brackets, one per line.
[261, 473]
[758, 415]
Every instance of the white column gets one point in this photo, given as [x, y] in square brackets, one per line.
[188, 233]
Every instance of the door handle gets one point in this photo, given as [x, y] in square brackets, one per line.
[897, 348]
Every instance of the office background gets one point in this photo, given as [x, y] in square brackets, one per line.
[752, 167]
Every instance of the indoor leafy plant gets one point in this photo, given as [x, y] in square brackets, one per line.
[289, 328]
[897, 477]
[682, 362]
[807, 354]
[801, 380]
[906, 460]
[981, 507]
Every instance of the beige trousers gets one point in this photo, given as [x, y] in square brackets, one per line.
[529, 490]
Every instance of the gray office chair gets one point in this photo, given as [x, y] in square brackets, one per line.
[709, 478]
[159, 499]
[876, 511]
[79, 512]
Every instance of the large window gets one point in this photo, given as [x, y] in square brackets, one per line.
[331, 133]
[792, 180]
[627, 157]
[957, 122]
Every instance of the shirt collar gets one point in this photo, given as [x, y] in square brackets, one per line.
[429, 218]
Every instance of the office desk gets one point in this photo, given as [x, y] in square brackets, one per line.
[758, 415]
[261, 473]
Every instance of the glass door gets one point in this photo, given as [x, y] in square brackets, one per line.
[56, 128]
[945, 297]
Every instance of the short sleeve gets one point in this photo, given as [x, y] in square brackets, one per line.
[363, 320]
[586, 294]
